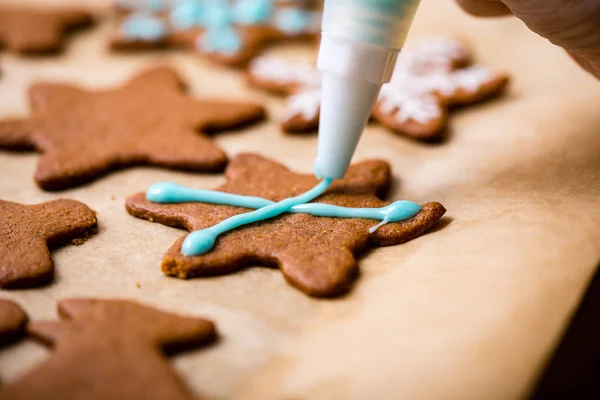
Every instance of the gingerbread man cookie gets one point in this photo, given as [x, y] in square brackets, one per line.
[110, 349]
[316, 253]
[227, 32]
[12, 322]
[26, 232]
[30, 31]
[428, 80]
[149, 121]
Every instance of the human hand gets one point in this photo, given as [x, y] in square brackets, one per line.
[571, 24]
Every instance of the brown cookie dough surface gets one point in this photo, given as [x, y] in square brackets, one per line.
[110, 349]
[83, 135]
[315, 254]
[31, 31]
[26, 233]
[12, 322]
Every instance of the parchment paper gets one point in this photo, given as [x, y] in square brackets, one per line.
[469, 311]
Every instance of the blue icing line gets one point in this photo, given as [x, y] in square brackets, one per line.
[143, 26]
[187, 14]
[252, 12]
[220, 40]
[200, 242]
[167, 192]
[292, 20]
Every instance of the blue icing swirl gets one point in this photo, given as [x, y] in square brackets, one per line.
[188, 14]
[252, 12]
[223, 39]
[200, 242]
[292, 20]
[143, 27]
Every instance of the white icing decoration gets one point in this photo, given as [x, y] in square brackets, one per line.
[306, 104]
[433, 55]
[472, 78]
[283, 72]
[443, 47]
[409, 106]
[420, 76]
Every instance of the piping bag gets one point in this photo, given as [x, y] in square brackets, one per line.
[360, 43]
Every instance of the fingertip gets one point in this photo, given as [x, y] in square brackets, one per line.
[484, 8]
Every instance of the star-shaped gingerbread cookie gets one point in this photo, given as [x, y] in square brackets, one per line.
[315, 254]
[12, 322]
[31, 31]
[26, 232]
[148, 121]
[110, 349]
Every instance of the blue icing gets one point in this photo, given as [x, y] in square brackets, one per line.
[151, 5]
[252, 12]
[200, 242]
[218, 14]
[292, 20]
[156, 5]
[220, 40]
[143, 27]
[188, 14]
[388, 7]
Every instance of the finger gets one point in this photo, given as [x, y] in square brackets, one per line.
[590, 66]
[484, 8]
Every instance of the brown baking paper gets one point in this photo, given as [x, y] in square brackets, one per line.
[472, 310]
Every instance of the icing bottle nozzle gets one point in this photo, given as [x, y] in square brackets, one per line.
[360, 43]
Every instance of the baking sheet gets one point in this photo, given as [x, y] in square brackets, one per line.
[469, 311]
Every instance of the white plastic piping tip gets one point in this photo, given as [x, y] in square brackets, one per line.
[345, 109]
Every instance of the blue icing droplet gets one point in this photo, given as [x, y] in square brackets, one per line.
[144, 27]
[188, 14]
[156, 5]
[252, 12]
[218, 14]
[221, 40]
[292, 20]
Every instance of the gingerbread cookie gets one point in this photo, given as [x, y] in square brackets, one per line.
[26, 232]
[314, 253]
[428, 80]
[229, 33]
[12, 322]
[110, 349]
[149, 121]
[30, 31]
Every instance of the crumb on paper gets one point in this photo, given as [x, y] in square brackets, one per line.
[138, 285]
[78, 241]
